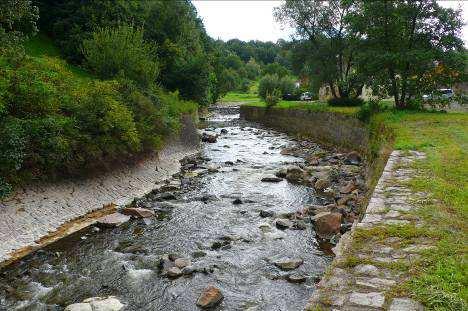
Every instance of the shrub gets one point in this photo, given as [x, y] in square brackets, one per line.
[121, 51]
[269, 83]
[345, 101]
[272, 98]
[369, 108]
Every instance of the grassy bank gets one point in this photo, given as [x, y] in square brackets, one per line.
[439, 279]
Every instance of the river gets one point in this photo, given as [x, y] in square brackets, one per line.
[227, 241]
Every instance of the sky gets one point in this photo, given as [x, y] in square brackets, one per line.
[253, 20]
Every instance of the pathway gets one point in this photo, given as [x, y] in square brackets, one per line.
[374, 256]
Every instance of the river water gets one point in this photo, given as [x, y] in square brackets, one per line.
[99, 263]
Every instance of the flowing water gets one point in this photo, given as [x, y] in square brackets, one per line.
[92, 263]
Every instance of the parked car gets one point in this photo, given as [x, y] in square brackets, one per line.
[439, 94]
[306, 96]
[290, 96]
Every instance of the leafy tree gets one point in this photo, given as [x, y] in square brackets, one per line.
[328, 44]
[275, 69]
[121, 51]
[19, 16]
[269, 83]
[403, 43]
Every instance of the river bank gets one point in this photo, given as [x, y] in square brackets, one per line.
[43, 213]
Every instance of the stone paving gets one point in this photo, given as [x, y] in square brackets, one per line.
[365, 283]
[38, 210]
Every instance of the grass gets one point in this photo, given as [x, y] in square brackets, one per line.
[42, 47]
[441, 281]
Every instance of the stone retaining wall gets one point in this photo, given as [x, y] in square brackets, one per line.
[34, 214]
[328, 128]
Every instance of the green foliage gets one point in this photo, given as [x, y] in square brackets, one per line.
[270, 83]
[368, 109]
[275, 69]
[18, 16]
[121, 51]
[345, 101]
[272, 98]
[55, 123]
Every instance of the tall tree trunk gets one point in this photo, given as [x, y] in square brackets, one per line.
[332, 89]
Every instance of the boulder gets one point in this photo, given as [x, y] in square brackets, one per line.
[313, 160]
[97, 304]
[210, 297]
[209, 138]
[299, 225]
[224, 131]
[321, 184]
[288, 264]
[138, 212]
[281, 173]
[174, 272]
[353, 158]
[348, 188]
[113, 220]
[296, 278]
[283, 224]
[182, 263]
[327, 224]
[237, 201]
[271, 179]
[265, 213]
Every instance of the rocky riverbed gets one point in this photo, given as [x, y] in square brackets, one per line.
[243, 226]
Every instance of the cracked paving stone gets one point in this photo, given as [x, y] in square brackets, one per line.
[375, 299]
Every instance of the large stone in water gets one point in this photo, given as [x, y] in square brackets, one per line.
[283, 224]
[138, 212]
[321, 184]
[271, 179]
[289, 264]
[113, 220]
[327, 224]
[97, 304]
[210, 298]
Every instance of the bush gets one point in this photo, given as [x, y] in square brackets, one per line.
[269, 83]
[121, 51]
[369, 108]
[272, 98]
[345, 101]
[53, 124]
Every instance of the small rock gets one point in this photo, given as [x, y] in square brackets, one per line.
[174, 272]
[224, 131]
[281, 173]
[313, 160]
[79, 307]
[327, 224]
[113, 220]
[188, 270]
[209, 138]
[288, 264]
[299, 225]
[237, 201]
[296, 278]
[353, 158]
[348, 188]
[271, 179]
[266, 213]
[210, 297]
[182, 263]
[283, 224]
[321, 184]
[138, 212]
[165, 196]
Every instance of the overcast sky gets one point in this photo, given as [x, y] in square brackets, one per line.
[253, 20]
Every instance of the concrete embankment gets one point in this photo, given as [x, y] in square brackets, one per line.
[41, 213]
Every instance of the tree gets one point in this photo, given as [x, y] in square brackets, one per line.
[329, 42]
[18, 15]
[121, 51]
[403, 42]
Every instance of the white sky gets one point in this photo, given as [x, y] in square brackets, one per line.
[253, 20]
